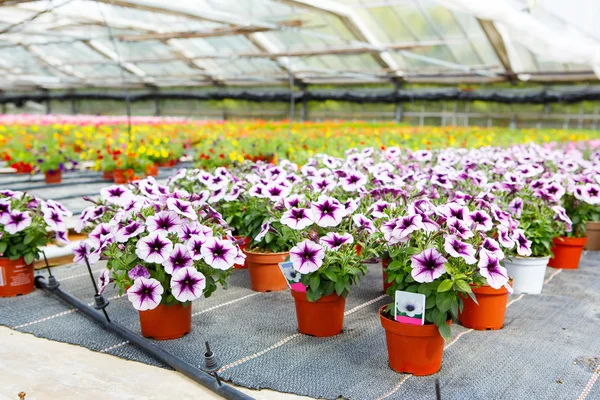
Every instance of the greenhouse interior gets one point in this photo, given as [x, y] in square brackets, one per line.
[391, 190]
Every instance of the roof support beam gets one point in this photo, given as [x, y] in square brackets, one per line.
[228, 31]
[180, 52]
[52, 62]
[112, 55]
[499, 46]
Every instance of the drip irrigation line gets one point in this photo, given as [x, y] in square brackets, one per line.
[192, 372]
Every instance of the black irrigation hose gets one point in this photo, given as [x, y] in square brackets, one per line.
[155, 351]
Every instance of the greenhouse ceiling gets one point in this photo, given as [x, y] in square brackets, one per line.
[72, 44]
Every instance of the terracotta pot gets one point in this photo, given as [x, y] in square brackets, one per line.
[385, 262]
[567, 252]
[53, 176]
[322, 318]
[16, 277]
[166, 322]
[413, 349]
[243, 246]
[593, 235]
[108, 175]
[265, 274]
[152, 170]
[489, 314]
[119, 176]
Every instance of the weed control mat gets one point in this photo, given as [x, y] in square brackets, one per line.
[549, 347]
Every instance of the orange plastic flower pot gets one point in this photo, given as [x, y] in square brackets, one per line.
[152, 170]
[243, 246]
[119, 176]
[16, 277]
[489, 314]
[385, 261]
[263, 268]
[166, 322]
[322, 318]
[53, 176]
[567, 252]
[107, 175]
[413, 349]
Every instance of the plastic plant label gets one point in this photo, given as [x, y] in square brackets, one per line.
[409, 308]
[292, 276]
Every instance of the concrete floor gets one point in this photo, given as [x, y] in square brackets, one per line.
[48, 370]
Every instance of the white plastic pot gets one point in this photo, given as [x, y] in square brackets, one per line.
[528, 273]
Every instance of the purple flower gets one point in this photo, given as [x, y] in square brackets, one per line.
[523, 244]
[378, 208]
[16, 221]
[459, 228]
[456, 248]
[99, 234]
[427, 266]
[350, 206]
[333, 241]
[407, 225]
[323, 185]
[490, 268]
[454, 210]
[61, 237]
[187, 284]
[194, 245]
[219, 254]
[85, 250]
[103, 280]
[54, 220]
[307, 256]
[126, 232]
[515, 207]
[116, 194]
[592, 193]
[354, 181]
[180, 257]
[327, 212]
[257, 190]
[264, 229]
[139, 271]
[276, 191]
[480, 221]
[4, 207]
[491, 248]
[363, 223]
[504, 237]
[293, 201]
[154, 248]
[145, 294]
[182, 207]
[164, 222]
[561, 215]
[297, 218]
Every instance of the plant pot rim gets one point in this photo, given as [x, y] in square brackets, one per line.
[527, 258]
[267, 254]
[487, 289]
[400, 328]
[301, 296]
[569, 241]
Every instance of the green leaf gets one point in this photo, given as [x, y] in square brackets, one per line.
[3, 246]
[339, 288]
[463, 286]
[443, 301]
[29, 257]
[314, 282]
[445, 331]
[445, 286]
[28, 238]
[331, 275]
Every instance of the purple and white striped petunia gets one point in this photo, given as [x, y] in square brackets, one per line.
[454, 210]
[100, 233]
[164, 222]
[116, 194]
[333, 241]
[353, 181]
[103, 280]
[128, 231]
[363, 223]
[293, 201]
[145, 293]
[327, 212]
[264, 229]
[139, 271]
[180, 257]
[307, 256]
[459, 227]
[55, 220]
[82, 250]
[523, 244]
[219, 254]
[428, 265]
[16, 221]
[194, 245]
[187, 284]
[4, 207]
[515, 207]
[276, 191]
[407, 225]
[378, 208]
[504, 237]
[154, 248]
[182, 207]
[61, 237]
[479, 221]
[456, 248]
[492, 248]
[561, 215]
[491, 269]
[297, 218]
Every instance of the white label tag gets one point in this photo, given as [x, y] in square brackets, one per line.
[2, 276]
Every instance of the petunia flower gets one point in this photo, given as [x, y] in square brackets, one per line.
[180, 257]
[504, 237]
[100, 233]
[378, 208]
[456, 248]
[492, 248]
[103, 280]
[293, 201]
[363, 223]
[515, 207]
[187, 284]
[428, 265]
[561, 215]
[407, 225]
[333, 241]
[182, 207]
[327, 212]
[323, 185]
[55, 220]
[523, 244]
[491, 269]
[307, 256]
[82, 250]
[479, 220]
[154, 248]
[459, 227]
[139, 271]
[116, 194]
[4, 207]
[61, 237]
[145, 293]
[297, 218]
[164, 222]
[264, 229]
[219, 254]
[276, 191]
[454, 210]
[16, 221]
[124, 233]
[353, 181]
[194, 245]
